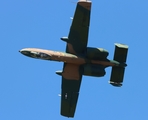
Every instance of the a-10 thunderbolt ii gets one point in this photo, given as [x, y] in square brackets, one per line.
[81, 60]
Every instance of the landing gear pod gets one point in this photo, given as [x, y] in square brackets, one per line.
[65, 39]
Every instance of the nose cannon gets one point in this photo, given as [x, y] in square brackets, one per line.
[35, 53]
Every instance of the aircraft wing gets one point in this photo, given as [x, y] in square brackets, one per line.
[78, 35]
[76, 44]
[71, 81]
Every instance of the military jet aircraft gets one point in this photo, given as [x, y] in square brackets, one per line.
[81, 60]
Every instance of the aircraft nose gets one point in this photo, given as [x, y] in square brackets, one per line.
[21, 51]
[24, 51]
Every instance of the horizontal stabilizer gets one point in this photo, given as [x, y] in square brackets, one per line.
[117, 72]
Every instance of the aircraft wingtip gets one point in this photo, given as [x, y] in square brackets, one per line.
[84, 1]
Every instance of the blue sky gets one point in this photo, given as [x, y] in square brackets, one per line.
[29, 88]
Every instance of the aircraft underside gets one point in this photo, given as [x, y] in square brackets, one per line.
[78, 59]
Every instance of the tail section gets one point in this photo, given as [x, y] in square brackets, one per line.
[117, 73]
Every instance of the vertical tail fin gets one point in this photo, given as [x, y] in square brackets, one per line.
[117, 73]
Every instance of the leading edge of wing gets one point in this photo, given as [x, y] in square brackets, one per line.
[78, 35]
[71, 81]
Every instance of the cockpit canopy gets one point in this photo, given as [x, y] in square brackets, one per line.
[35, 54]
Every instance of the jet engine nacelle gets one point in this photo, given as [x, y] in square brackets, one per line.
[94, 70]
[96, 53]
